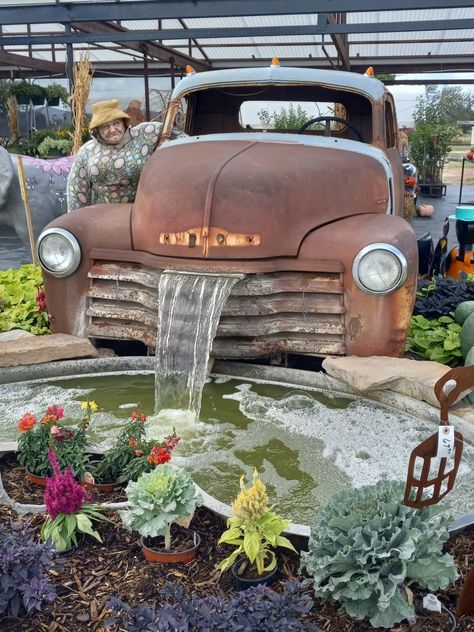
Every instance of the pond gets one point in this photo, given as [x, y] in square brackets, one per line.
[306, 443]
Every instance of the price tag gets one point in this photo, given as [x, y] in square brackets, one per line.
[445, 441]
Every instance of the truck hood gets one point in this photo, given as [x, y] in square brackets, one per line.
[247, 196]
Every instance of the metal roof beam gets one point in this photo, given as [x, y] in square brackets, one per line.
[153, 49]
[153, 9]
[22, 61]
[339, 39]
[258, 31]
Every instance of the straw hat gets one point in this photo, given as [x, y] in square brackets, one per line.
[105, 112]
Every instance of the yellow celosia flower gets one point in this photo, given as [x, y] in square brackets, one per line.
[252, 503]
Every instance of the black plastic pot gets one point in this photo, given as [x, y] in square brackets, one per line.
[243, 582]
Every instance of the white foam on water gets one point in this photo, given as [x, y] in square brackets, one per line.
[366, 441]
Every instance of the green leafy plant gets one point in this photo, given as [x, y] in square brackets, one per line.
[68, 513]
[37, 436]
[50, 146]
[132, 455]
[292, 117]
[158, 499]
[57, 91]
[254, 529]
[366, 544]
[436, 339]
[20, 307]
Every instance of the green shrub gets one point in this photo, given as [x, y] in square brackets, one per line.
[366, 543]
[49, 145]
[22, 301]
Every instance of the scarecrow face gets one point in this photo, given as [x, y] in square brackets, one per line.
[112, 132]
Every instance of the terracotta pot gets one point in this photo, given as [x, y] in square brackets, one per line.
[172, 557]
[36, 480]
[245, 582]
[102, 487]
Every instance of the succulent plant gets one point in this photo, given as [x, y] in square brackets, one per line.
[365, 543]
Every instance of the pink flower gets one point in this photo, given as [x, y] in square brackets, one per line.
[56, 411]
[55, 430]
[63, 493]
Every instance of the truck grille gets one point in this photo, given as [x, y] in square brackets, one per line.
[266, 313]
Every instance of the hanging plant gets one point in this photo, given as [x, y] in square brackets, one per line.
[56, 93]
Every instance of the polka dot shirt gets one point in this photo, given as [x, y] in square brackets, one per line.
[109, 173]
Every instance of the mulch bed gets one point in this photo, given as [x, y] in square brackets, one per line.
[90, 574]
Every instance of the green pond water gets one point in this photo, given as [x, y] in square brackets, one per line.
[306, 444]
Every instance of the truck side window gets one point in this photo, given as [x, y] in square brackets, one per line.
[390, 135]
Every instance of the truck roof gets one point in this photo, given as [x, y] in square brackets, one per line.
[274, 75]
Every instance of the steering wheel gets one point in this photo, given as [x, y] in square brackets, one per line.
[327, 120]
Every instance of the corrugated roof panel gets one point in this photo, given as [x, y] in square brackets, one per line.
[374, 17]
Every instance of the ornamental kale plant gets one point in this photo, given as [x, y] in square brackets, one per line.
[68, 513]
[24, 564]
[258, 608]
[157, 499]
[69, 444]
[366, 543]
[132, 455]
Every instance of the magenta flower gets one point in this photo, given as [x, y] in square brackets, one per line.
[56, 411]
[63, 493]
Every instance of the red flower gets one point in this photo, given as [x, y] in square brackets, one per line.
[158, 455]
[131, 442]
[138, 452]
[134, 415]
[26, 422]
[143, 417]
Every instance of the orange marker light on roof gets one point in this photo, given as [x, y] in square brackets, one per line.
[369, 72]
[190, 71]
[275, 62]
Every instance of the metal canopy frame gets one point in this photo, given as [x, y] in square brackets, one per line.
[337, 34]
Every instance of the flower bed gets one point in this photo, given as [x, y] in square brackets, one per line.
[91, 574]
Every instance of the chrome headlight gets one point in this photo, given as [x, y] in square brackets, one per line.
[379, 269]
[58, 252]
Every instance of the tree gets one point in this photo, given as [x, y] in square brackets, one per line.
[431, 138]
[456, 104]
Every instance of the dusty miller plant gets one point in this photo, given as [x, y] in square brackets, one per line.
[365, 544]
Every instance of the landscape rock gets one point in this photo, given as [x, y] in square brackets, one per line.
[39, 349]
[15, 334]
[409, 377]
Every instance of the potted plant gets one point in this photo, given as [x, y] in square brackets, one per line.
[37, 436]
[69, 513]
[255, 530]
[131, 455]
[429, 143]
[56, 93]
[161, 506]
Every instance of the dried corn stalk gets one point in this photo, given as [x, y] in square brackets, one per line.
[12, 119]
[83, 72]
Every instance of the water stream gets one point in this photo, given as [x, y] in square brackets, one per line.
[190, 308]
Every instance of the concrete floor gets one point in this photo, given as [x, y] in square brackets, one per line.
[13, 253]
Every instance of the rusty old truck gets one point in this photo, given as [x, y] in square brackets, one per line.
[310, 213]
